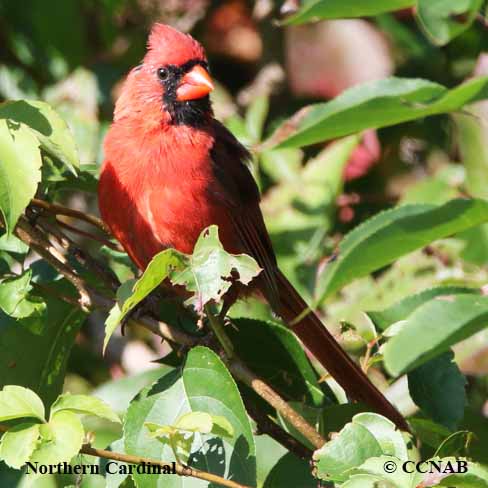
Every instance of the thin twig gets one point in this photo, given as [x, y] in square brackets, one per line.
[241, 371]
[30, 236]
[180, 469]
[57, 209]
[130, 459]
[80, 255]
[89, 235]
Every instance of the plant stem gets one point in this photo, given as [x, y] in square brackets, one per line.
[219, 331]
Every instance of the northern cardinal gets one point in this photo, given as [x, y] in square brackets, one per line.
[171, 170]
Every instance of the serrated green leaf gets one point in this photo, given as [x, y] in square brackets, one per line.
[210, 268]
[18, 444]
[441, 324]
[389, 438]
[377, 104]
[438, 388]
[20, 170]
[47, 126]
[61, 441]
[350, 448]
[442, 20]
[15, 298]
[132, 292]
[393, 233]
[84, 404]
[203, 385]
[313, 10]
[401, 310]
[18, 402]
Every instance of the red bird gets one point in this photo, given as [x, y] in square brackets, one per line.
[171, 170]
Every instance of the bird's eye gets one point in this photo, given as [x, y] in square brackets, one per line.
[163, 74]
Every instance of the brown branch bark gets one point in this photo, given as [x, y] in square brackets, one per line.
[56, 209]
[180, 469]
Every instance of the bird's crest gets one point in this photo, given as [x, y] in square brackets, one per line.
[167, 45]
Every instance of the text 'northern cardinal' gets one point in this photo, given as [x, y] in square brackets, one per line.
[171, 170]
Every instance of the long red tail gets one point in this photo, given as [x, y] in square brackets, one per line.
[326, 349]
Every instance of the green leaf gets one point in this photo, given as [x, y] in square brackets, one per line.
[387, 236]
[429, 432]
[12, 244]
[18, 444]
[115, 476]
[278, 468]
[210, 268]
[203, 385]
[17, 402]
[15, 299]
[443, 20]
[377, 104]
[369, 435]
[476, 477]
[438, 388]
[372, 474]
[84, 404]
[389, 438]
[402, 309]
[313, 10]
[281, 164]
[20, 170]
[205, 424]
[471, 137]
[255, 117]
[352, 446]
[118, 393]
[50, 129]
[132, 292]
[455, 445]
[61, 439]
[273, 352]
[34, 353]
[441, 324]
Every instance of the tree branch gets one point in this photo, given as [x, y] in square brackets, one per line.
[56, 209]
[180, 469]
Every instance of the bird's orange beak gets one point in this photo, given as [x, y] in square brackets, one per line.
[195, 84]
